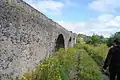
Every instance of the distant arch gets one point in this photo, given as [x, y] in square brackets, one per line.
[69, 42]
[70, 39]
[60, 42]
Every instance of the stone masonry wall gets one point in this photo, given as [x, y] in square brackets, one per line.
[26, 37]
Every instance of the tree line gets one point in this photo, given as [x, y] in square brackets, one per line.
[99, 39]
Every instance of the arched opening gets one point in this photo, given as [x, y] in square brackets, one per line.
[60, 42]
[70, 39]
[69, 42]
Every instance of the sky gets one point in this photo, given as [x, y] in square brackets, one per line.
[88, 17]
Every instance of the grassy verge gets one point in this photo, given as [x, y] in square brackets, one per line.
[98, 53]
[89, 68]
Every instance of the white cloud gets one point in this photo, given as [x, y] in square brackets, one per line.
[70, 3]
[105, 5]
[47, 6]
[105, 17]
[106, 25]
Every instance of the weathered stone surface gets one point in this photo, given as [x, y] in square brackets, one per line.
[26, 37]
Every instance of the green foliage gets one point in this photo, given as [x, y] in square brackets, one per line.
[80, 63]
[111, 40]
[89, 68]
[56, 67]
[94, 39]
[84, 37]
[98, 53]
[71, 64]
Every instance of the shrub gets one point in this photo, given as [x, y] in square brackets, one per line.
[98, 53]
[56, 67]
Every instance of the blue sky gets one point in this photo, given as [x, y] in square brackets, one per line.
[82, 16]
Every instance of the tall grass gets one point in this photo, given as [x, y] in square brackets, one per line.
[56, 67]
[80, 63]
[98, 53]
[89, 68]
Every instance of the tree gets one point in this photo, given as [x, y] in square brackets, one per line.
[94, 39]
[112, 38]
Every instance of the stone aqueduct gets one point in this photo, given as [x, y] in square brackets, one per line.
[26, 37]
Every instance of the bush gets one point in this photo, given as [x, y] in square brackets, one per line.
[111, 40]
[56, 67]
[98, 53]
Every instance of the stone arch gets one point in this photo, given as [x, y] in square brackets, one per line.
[69, 42]
[60, 42]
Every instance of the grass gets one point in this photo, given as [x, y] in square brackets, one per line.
[89, 68]
[72, 64]
[98, 53]
[56, 67]
[80, 63]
